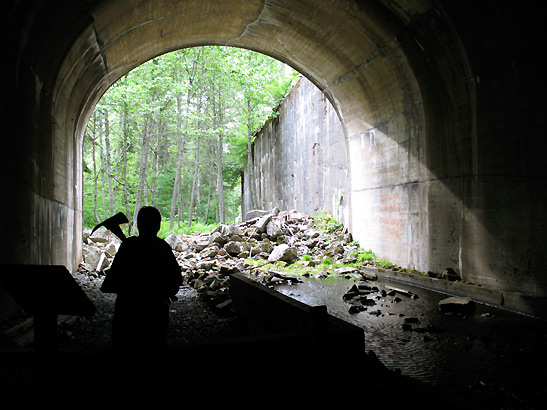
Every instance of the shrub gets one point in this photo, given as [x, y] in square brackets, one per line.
[326, 261]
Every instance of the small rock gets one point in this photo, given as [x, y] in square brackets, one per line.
[356, 309]
[367, 302]
[450, 274]
[224, 305]
[210, 252]
[369, 276]
[335, 248]
[111, 249]
[311, 233]
[205, 265]
[344, 270]
[233, 248]
[218, 238]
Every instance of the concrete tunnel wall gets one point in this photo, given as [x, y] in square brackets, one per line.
[438, 101]
[299, 159]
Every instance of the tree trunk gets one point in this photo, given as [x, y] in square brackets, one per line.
[103, 166]
[211, 178]
[111, 197]
[95, 176]
[180, 155]
[143, 171]
[220, 182]
[125, 147]
[195, 184]
[220, 149]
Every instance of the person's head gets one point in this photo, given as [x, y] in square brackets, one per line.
[148, 221]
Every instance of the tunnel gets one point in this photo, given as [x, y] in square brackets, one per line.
[439, 102]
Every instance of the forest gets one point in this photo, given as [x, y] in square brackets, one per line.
[175, 133]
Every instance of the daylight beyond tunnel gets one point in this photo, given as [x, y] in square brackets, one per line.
[440, 116]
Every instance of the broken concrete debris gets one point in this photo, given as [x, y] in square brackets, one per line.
[284, 253]
[463, 305]
[206, 259]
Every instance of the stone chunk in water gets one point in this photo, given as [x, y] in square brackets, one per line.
[457, 305]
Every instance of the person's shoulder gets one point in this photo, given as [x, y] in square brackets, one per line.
[162, 242]
[130, 241]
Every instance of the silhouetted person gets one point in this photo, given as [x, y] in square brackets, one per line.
[147, 275]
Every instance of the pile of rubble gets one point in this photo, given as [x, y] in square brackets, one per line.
[98, 251]
[207, 259]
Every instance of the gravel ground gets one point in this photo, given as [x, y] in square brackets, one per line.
[191, 321]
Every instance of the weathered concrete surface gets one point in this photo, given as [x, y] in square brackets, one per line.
[438, 100]
[299, 158]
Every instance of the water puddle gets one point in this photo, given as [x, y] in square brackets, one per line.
[408, 333]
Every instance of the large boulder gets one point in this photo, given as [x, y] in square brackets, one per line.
[284, 253]
[91, 255]
[175, 242]
[255, 213]
[262, 223]
[273, 230]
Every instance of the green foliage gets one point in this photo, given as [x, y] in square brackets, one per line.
[364, 256]
[185, 230]
[306, 257]
[326, 261]
[205, 101]
[326, 224]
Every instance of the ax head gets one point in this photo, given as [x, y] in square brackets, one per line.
[113, 225]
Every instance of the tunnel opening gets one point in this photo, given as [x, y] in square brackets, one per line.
[180, 139]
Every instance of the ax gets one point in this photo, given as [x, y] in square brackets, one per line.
[113, 225]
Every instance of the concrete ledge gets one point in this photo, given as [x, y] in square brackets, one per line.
[268, 312]
[519, 302]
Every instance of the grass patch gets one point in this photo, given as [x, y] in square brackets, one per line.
[326, 262]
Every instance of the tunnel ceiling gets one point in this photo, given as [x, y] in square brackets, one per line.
[348, 49]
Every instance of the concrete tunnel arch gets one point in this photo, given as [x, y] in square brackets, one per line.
[411, 82]
[123, 37]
